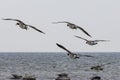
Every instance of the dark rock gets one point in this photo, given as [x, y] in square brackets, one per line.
[96, 78]
[15, 76]
[62, 76]
[29, 78]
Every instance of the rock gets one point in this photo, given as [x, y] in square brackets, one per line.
[96, 78]
[29, 78]
[15, 76]
[62, 76]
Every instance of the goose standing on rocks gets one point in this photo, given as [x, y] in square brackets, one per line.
[73, 26]
[70, 54]
[23, 25]
[91, 42]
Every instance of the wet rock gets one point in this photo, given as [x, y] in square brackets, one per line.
[96, 78]
[29, 78]
[15, 76]
[62, 76]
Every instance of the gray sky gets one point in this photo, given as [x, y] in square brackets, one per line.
[100, 18]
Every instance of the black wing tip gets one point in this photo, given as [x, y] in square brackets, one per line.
[76, 36]
[10, 19]
[4, 19]
[58, 44]
[36, 29]
[89, 35]
[43, 32]
[85, 31]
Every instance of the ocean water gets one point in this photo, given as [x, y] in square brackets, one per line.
[46, 66]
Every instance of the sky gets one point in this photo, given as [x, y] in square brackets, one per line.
[100, 18]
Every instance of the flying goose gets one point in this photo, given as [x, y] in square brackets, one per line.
[91, 42]
[73, 26]
[98, 67]
[23, 25]
[70, 54]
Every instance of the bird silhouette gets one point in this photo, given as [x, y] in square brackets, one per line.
[91, 42]
[73, 26]
[99, 67]
[70, 54]
[23, 25]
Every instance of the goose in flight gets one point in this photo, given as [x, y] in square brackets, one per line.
[73, 26]
[23, 25]
[91, 42]
[98, 67]
[70, 54]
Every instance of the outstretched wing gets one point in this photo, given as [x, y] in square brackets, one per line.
[64, 48]
[36, 29]
[81, 38]
[105, 64]
[14, 20]
[61, 22]
[87, 56]
[84, 31]
[101, 40]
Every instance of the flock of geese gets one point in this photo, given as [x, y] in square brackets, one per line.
[22, 25]
[72, 55]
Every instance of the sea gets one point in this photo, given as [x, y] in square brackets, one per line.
[47, 65]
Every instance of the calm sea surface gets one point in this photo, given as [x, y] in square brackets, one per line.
[46, 66]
